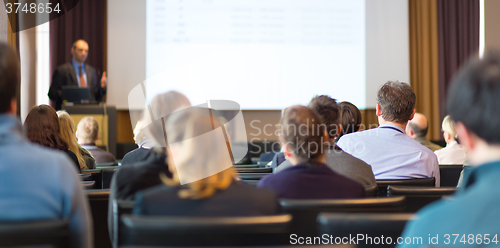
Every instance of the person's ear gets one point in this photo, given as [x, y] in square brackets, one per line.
[339, 129]
[378, 110]
[13, 106]
[412, 115]
[287, 152]
[466, 139]
[409, 131]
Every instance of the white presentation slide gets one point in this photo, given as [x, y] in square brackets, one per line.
[262, 54]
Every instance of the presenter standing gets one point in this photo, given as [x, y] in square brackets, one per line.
[77, 73]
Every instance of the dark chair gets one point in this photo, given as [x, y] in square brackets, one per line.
[266, 157]
[110, 164]
[86, 177]
[364, 225]
[252, 176]
[371, 190]
[255, 170]
[120, 207]
[53, 233]
[274, 246]
[96, 176]
[98, 201]
[88, 185]
[246, 166]
[450, 174]
[418, 197]
[107, 175]
[424, 182]
[251, 182]
[305, 212]
[204, 231]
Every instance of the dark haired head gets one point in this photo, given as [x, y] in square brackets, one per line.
[397, 101]
[474, 97]
[9, 76]
[328, 110]
[350, 118]
[303, 133]
[42, 127]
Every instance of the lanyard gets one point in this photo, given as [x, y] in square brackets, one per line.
[393, 128]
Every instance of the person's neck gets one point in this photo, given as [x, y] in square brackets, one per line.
[90, 143]
[79, 63]
[384, 122]
[484, 154]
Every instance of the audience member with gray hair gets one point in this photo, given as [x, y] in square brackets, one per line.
[87, 133]
[391, 153]
[417, 129]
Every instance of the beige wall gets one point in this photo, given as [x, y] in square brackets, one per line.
[491, 24]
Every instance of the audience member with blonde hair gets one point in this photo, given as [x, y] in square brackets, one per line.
[453, 153]
[303, 137]
[87, 134]
[141, 168]
[203, 181]
[85, 159]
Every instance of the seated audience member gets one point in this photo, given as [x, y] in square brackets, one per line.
[473, 104]
[42, 127]
[350, 118]
[144, 148]
[303, 137]
[417, 129]
[37, 183]
[143, 174]
[203, 181]
[453, 153]
[344, 164]
[85, 159]
[87, 133]
[161, 106]
[391, 153]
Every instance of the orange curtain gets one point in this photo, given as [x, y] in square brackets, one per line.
[424, 63]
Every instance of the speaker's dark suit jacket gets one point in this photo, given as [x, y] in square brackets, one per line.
[65, 75]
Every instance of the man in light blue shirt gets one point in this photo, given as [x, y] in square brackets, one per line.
[391, 153]
[36, 183]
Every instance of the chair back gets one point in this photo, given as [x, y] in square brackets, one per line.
[54, 233]
[371, 190]
[120, 207]
[87, 185]
[85, 177]
[96, 176]
[424, 182]
[204, 231]
[98, 201]
[450, 174]
[252, 176]
[418, 197]
[254, 170]
[245, 166]
[387, 225]
[305, 212]
[107, 175]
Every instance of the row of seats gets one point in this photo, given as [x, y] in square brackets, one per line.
[306, 219]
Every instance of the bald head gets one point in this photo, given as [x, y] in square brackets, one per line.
[418, 126]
